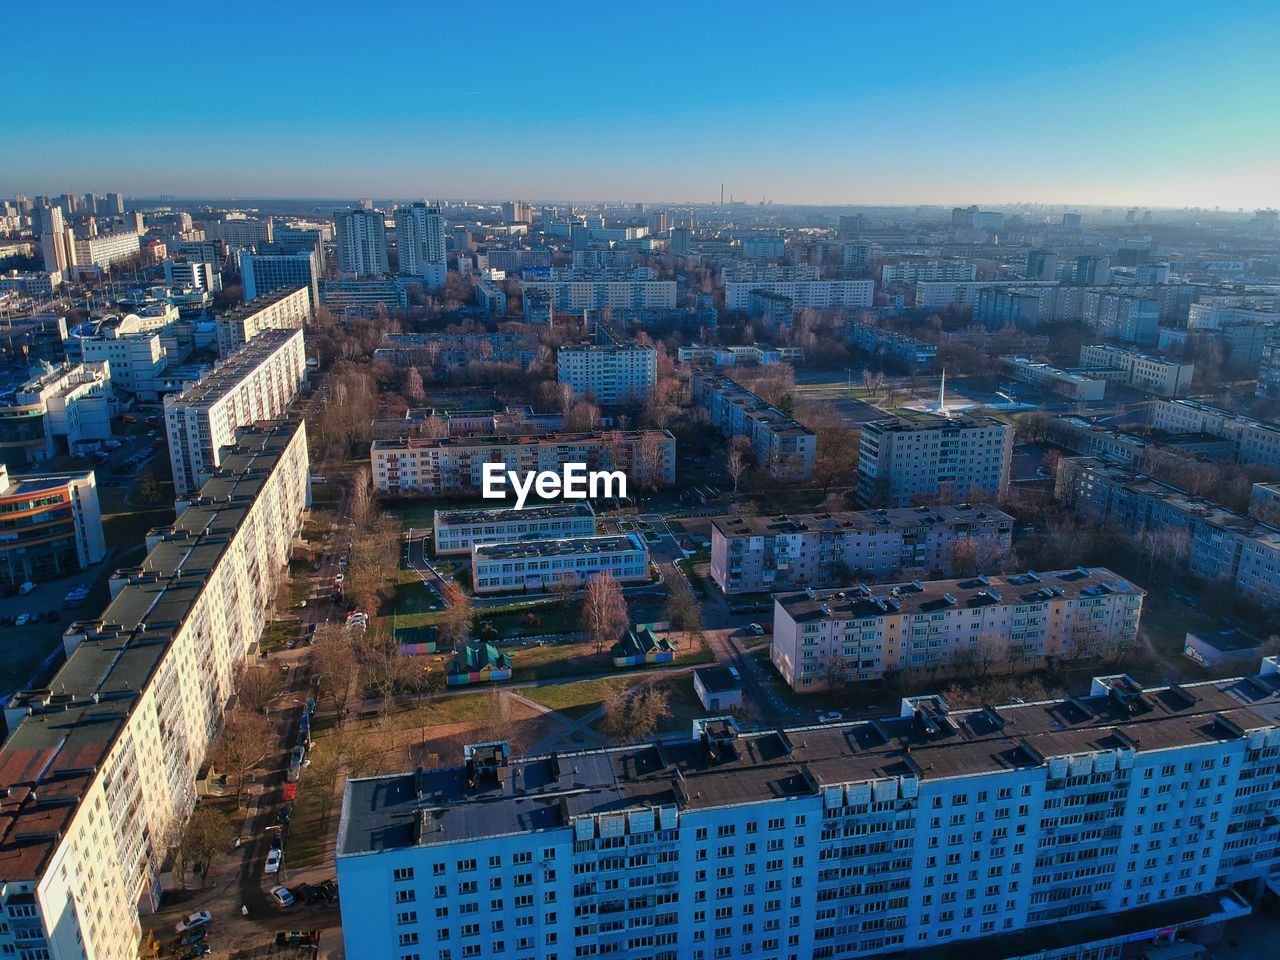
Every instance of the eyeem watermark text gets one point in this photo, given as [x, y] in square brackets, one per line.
[574, 482]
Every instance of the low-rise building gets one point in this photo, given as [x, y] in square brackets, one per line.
[757, 554]
[1215, 544]
[1142, 371]
[718, 690]
[99, 772]
[284, 309]
[1072, 385]
[479, 661]
[898, 349]
[540, 566]
[572, 291]
[455, 465]
[1006, 623]
[1254, 441]
[1212, 649]
[363, 297]
[38, 284]
[134, 350]
[610, 373]
[457, 531]
[449, 352]
[780, 444]
[51, 526]
[57, 411]
[257, 383]
[903, 461]
[1094, 439]
[640, 646]
[763, 354]
[491, 298]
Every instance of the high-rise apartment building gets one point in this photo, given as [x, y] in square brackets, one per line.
[1088, 827]
[906, 461]
[516, 211]
[609, 372]
[361, 238]
[257, 383]
[282, 309]
[814, 294]
[1012, 623]
[420, 243]
[57, 243]
[99, 772]
[766, 554]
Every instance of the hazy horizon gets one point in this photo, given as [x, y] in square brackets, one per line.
[1171, 106]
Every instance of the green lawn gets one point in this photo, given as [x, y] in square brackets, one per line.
[413, 602]
[578, 699]
[277, 635]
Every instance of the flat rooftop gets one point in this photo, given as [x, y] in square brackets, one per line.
[550, 511]
[735, 393]
[245, 310]
[233, 372]
[921, 421]
[929, 596]
[895, 518]
[534, 793]
[54, 751]
[569, 546]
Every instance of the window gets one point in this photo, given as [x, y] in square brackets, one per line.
[402, 873]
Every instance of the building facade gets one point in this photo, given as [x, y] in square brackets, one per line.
[781, 444]
[455, 465]
[284, 309]
[50, 526]
[1006, 831]
[609, 372]
[540, 566]
[1254, 441]
[765, 554]
[99, 771]
[1142, 371]
[906, 353]
[904, 461]
[257, 383]
[420, 243]
[457, 531]
[1215, 544]
[264, 273]
[361, 239]
[64, 407]
[1070, 384]
[812, 294]
[1012, 623]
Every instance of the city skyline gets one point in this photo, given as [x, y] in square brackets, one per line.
[979, 107]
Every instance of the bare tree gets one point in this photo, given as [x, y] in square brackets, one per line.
[736, 461]
[334, 661]
[604, 611]
[361, 496]
[832, 670]
[243, 744]
[630, 715]
[256, 687]
[208, 832]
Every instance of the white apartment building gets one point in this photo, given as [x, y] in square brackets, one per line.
[1010, 623]
[284, 309]
[455, 465]
[420, 243]
[457, 531]
[1072, 385]
[910, 271]
[765, 554]
[192, 275]
[936, 294]
[1255, 441]
[71, 401]
[135, 354]
[904, 461]
[574, 296]
[39, 284]
[361, 239]
[1142, 371]
[766, 273]
[449, 351]
[1215, 544]
[257, 383]
[1215, 315]
[240, 231]
[106, 249]
[1002, 832]
[781, 444]
[539, 566]
[813, 294]
[99, 771]
[609, 372]
[491, 297]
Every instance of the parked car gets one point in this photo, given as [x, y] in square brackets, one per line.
[26, 588]
[833, 717]
[329, 890]
[733, 672]
[273, 862]
[282, 896]
[756, 629]
[193, 921]
[22, 620]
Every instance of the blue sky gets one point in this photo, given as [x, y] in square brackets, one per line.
[1168, 104]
